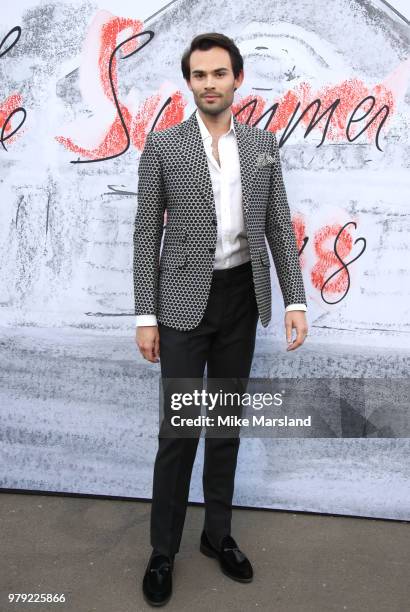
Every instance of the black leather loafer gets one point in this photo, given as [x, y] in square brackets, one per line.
[232, 560]
[157, 582]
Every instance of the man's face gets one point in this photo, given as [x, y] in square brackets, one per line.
[212, 75]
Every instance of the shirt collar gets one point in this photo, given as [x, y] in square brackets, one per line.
[204, 130]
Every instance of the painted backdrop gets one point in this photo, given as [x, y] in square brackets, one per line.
[80, 88]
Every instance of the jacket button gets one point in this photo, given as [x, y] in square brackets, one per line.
[211, 249]
[214, 221]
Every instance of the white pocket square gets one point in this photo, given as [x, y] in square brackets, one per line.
[264, 159]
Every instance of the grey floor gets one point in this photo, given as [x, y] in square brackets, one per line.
[95, 552]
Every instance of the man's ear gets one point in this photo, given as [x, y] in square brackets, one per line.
[240, 77]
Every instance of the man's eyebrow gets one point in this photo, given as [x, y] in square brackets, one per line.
[202, 71]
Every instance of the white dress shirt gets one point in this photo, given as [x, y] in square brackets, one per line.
[232, 243]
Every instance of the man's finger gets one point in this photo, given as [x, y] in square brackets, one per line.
[288, 326]
[146, 351]
[301, 333]
[157, 346]
[153, 354]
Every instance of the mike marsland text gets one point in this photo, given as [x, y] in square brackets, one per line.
[234, 421]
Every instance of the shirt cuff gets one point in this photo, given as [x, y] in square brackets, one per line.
[295, 307]
[144, 320]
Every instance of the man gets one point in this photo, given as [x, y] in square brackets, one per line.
[198, 303]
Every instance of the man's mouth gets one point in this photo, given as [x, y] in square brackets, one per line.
[210, 97]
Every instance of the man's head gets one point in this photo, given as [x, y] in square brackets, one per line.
[212, 64]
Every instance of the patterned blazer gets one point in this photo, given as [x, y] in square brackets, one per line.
[173, 175]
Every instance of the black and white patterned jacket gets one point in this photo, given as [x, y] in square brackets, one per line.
[173, 174]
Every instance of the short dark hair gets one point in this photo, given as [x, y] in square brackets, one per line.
[206, 41]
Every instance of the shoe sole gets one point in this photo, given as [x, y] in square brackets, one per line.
[210, 553]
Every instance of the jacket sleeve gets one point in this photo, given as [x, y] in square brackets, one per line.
[281, 237]
[148, 227]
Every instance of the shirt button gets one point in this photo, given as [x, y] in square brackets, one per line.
[211, 249]
[214, 222]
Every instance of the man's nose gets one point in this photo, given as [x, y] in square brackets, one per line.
[209, 83]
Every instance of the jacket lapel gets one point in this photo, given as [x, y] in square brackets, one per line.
[192, 150]
[248, 153]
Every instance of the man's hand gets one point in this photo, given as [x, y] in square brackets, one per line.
[147, 340]
[295, 319]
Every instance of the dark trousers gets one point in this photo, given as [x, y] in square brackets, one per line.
[224, 340]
